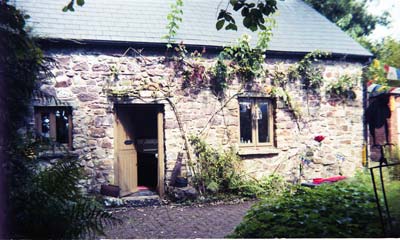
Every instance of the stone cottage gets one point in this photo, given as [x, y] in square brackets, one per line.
[128, 114]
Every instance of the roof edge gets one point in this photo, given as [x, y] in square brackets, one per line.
[158, 46]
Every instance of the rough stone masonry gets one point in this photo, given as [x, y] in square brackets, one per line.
[82, 78]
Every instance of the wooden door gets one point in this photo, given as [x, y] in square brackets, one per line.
[160, 141]
[126, 174]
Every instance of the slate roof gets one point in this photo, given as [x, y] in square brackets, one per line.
[299, 27]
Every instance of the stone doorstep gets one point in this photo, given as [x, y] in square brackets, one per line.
[142, 201]
[133, 200]
[140, 198]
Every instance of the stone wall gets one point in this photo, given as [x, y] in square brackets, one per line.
[82, 79]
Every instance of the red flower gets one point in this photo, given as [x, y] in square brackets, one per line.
[319, 138]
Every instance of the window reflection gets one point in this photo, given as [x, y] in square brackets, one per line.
[262, 112]
[45, 125]
[62, 126]
[245, 121]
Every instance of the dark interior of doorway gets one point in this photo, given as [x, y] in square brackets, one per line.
[144, 122]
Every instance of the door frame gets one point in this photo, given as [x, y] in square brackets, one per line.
[160, 151]
[160, 146]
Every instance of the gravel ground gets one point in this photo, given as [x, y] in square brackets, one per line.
[176, 221]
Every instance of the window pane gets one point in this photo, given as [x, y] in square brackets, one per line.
[45, 122]
[263, 124]
[62, 126]
[245, 121]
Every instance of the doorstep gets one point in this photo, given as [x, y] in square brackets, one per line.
[141, 198]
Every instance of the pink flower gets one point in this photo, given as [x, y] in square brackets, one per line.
[319, 138]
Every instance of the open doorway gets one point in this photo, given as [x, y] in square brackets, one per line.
[139, 149]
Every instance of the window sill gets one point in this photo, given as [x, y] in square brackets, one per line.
[263, 150]
[51, 154]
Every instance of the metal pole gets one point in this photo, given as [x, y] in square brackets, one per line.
[384, 198]
[377, 200]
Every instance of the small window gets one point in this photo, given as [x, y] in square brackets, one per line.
[54, 124]
[256, 121]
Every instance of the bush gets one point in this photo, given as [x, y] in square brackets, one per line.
[392, 153]
[344, 209]
[220, 172]
[214, 171]
[45, 199]
[267, 186]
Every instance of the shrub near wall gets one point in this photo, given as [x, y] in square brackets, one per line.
[344, 209]
[219, 173]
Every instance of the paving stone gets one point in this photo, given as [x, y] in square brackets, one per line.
[169, 221]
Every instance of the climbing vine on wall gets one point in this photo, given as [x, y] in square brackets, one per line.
[246, 62]
[309, 75]
[174, 18]
[279, 81]
[342, 88]
[219, 77]
[307, 72]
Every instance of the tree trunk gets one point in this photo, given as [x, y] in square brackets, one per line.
[4, 134]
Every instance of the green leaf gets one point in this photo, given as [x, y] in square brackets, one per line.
[229, 18]
[237, 6]
[231, 26]
[253, 28]
[247, 22]
[69, 7]
[221, 14]
[80, 2]
[220, 24]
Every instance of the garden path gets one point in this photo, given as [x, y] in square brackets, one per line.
[175, 221]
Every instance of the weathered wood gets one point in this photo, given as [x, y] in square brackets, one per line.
[160, 140]
[126, 153]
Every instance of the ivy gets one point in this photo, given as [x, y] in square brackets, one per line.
[174, 18]
[279, 80]
[220, 74]
[307, 73]
[342, 88]
[246, 62]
